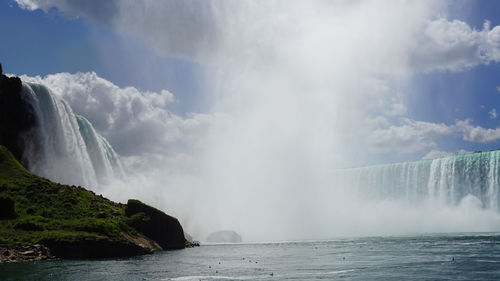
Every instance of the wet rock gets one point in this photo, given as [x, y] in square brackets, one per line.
[156, 225]
[91, 247]
[24, 253]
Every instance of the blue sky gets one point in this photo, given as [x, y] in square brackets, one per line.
[448, 96]
[37, 42]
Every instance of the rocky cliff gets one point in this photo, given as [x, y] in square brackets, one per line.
[17, 117]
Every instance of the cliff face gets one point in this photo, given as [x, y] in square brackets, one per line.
[17, 117]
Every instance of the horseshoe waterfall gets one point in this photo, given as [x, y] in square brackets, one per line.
[446, 181]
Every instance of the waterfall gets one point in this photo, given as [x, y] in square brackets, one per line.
[64, 147]
[104, 159]
[446, 181]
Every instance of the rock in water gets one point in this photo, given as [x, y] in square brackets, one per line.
[155, 224]
[224, 236]
[190, 242]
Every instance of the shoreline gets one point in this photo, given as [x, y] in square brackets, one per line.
[24, 253]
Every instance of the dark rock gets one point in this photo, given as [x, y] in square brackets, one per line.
[224, 236]
[156, 225]
[17, 117]
[7, 208]
[190, 242]
[89, 247]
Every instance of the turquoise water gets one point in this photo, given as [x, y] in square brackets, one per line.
[423, 257]
[444, 180]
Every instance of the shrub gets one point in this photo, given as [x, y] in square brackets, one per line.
[31, 223]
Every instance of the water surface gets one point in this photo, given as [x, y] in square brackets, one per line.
[464, 256]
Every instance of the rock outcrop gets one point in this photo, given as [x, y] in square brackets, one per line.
[90, 247]
[17, 117]
[190, 242]
[160, 227]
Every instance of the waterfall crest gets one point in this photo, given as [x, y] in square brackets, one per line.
[445, 180]
[64, 147]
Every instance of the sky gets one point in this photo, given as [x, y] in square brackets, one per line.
[210, 95]
[70, 44]
[61, 38]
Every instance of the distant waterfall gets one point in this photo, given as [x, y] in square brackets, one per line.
[65, 147]
[445, 180]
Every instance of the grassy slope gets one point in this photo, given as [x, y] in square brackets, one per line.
[49, 210]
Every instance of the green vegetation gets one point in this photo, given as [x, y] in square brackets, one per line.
[33, 208]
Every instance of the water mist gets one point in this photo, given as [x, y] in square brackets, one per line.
[297, 90]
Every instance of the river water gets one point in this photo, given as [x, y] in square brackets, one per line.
[464, 256]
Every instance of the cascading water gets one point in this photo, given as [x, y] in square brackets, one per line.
[446, 181]
[65, 147]
[104, 159]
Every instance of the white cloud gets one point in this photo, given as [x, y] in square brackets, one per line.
[463, 151]
[454, 45]
[434, 154]
[493, 113]
[136, 123]
[412, 136]
[226, 30]
[477, 133]
[416, 136]
[28, 4]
